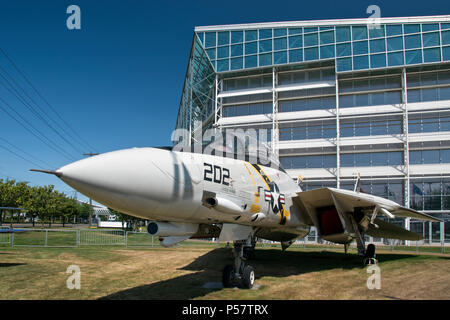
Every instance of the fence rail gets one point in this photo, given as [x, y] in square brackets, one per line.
[116, 237]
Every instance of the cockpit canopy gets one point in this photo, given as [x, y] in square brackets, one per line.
[236, 144]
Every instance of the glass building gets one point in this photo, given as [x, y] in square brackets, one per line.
[340, 98]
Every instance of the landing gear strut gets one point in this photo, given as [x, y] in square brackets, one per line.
[240, 274]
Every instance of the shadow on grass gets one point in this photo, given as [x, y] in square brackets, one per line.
[5, 265]
[268, 262]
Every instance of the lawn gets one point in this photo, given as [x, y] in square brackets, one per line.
[179, 273]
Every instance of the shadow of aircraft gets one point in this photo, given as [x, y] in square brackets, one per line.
[268, 262]
[5, 265]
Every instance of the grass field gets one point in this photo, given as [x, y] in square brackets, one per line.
[180, 273]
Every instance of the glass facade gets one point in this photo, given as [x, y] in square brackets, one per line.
[353, 47]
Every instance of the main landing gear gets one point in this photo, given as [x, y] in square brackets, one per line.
[240, 274]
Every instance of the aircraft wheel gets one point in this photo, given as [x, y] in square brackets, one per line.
[228, 276]
[370, 251]
[248, 277]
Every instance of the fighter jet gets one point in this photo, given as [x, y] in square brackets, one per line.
[233, 194]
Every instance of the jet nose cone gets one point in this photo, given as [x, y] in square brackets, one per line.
[121, 176]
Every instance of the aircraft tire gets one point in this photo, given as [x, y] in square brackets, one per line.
[370, 252]
[228, 276]
[248, 277]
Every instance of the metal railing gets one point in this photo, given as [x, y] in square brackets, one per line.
[115, 237]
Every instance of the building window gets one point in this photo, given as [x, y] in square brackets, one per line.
[372, 159]
[308, 162]
[429, 156]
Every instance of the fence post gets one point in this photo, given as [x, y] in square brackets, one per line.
[126, 239]
[46, 237]
[11, 236]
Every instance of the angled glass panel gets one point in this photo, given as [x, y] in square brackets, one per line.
[311, 53]
[279, 32]
[446, 53]
[210, 39]
[360, 47]
[265, 59]
[295, 42]
[359, 32]
[223, 38]
[413, 56]
[377, 60]
[395, 43]
[265, 33]
[376, 32]
[251, 35]
[237, 63]
[343, 49]
[295, 31]
[431, 39]
[222, 65]
[344, 64]
[251, 47]
[327, 37]
[395, 59]
[412, 28]
[327, 52]
[413, 41]
[280, 57]
[361, 62]
[237, 36]
[310, 29]
[296, 55]
[377, 46]
[251, 61]
[432, 55]
[430, 27]
[223, 52]
[342, 34]
[311, 39]
[280, 43]
[211, 53]
[445, 37]
[265, 45]
[445, 26]
[201, 36]
[237, 50]
[394, 29]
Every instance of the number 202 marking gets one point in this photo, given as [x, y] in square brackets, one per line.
[217, 174]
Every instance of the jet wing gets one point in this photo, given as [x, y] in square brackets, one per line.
[337, 214]
[384, 229]
[348, 200]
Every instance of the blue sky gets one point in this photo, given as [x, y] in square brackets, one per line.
[118, 80]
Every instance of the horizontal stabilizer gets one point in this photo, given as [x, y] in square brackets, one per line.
[391, 231]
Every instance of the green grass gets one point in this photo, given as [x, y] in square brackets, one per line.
[115, 272]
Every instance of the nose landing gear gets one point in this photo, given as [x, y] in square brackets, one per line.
[240, 274]
[369, 256]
